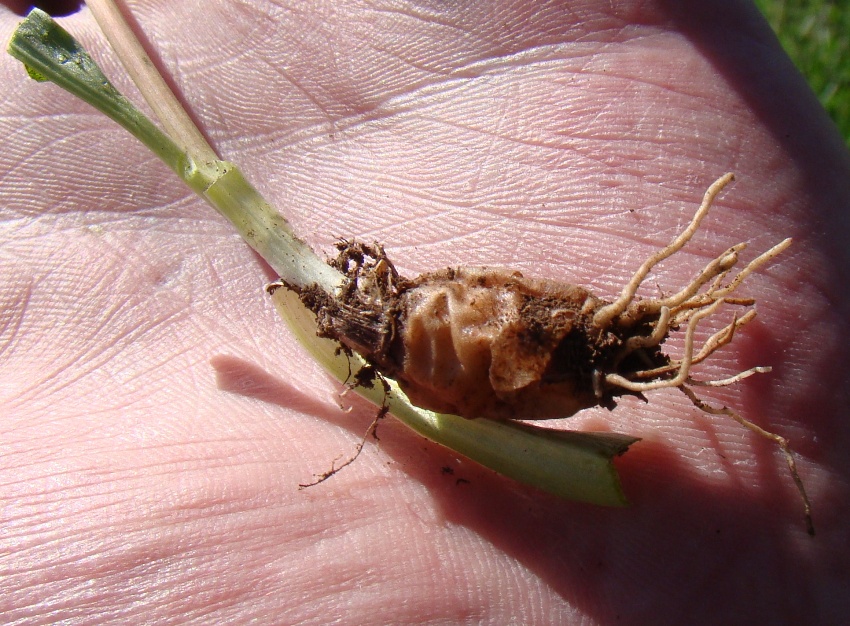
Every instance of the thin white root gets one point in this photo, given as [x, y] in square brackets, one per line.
[720, 266]
[731, 380]
[685, 299]
[370, 431]
[714, 343]
[716, 291]
[659, 333]
[688, 306]
[780, 441]
[724, 336]
[607, 313]
[751, 267]
[684, 367]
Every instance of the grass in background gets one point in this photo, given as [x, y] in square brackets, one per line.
[816, 35]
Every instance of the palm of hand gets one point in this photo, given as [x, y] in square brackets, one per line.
[157, 417]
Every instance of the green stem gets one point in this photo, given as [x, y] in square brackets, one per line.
[572, 465]
[50, 53]
[267, 232]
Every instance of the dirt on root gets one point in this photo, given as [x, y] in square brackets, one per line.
[477, 342]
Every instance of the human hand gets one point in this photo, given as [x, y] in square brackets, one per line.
[157, 417]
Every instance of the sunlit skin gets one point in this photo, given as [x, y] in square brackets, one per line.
[492, 343]
[157, 418]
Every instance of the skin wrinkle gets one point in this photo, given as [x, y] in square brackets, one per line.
[104, 485]
[513, 139]
[93, 358]
[13, 318]
[134, 571]
[34, 154]
[465, 204]
[485, 210]
[389, 108]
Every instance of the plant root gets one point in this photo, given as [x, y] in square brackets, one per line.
[780, 441]
[691, 306]
[371, 431]
[492, 343]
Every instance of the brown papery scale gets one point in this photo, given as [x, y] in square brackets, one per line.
[492, 343]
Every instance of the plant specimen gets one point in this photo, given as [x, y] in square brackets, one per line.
[492, 343]
[463, 352]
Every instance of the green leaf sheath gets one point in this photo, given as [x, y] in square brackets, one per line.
[572, 465]
[267, 232]
[49, 52]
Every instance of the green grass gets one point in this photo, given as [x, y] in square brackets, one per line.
[816, 35]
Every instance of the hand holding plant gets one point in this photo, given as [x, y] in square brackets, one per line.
[94, 303]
